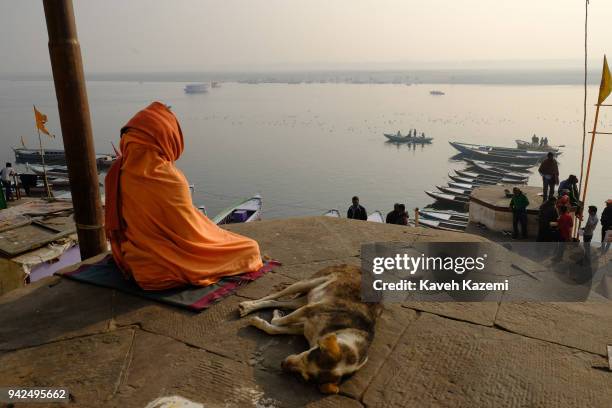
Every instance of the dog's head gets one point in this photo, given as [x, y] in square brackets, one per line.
[325, 363]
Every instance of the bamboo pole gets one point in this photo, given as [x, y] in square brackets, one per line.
[588, 168]
[69, 80]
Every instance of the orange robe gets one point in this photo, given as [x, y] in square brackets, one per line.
[156, 234]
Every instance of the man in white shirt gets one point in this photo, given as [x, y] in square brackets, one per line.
[5, 175]
[590, 226]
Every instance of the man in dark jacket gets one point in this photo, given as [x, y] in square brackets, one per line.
[606, 225]
[548, 213]
[571, 185]
[518, 205]
[393, 216]
[549, 170]
[356, 211]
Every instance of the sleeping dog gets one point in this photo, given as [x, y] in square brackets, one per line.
[328, 311]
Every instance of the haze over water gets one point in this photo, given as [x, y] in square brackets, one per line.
[310, 147]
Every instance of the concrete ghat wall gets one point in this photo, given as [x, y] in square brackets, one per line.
[500, 220]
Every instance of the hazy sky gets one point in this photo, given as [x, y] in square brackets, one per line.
[199, 35]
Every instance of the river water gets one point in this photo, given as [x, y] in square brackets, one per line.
[307, 148]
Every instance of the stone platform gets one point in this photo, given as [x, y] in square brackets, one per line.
[490, 206]
[114, 350]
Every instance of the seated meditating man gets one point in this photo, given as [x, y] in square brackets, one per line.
[157, 236]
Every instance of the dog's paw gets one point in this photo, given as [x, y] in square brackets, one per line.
[244, 308]
[258, 322]
[329, 388]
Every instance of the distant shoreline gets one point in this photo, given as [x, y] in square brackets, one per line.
[406, 77]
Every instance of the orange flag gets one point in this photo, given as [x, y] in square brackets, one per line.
[41, 120]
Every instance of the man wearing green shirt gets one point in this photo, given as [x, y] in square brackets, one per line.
[518, 205]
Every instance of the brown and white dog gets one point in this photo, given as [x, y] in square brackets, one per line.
[328, 311]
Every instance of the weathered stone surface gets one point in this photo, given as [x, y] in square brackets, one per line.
[90, 367]
[389, 327]
[287, 244]
[218, 381]
[52, 310]
[445, 363]
[475, 312]
[189, 327]
[586, 326]
[305, 271]
[330, 238]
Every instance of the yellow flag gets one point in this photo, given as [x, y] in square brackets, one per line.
[606, 83]
[41, 120]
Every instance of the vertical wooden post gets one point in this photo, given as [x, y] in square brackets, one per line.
[588, 169]
[69, 79]
[416, 217]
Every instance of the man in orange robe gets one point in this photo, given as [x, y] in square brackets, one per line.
[156, 234]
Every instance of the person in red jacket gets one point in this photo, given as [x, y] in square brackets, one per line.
[565, 223]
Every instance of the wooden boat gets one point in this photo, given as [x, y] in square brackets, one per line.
[59, 182]
[376, 216]
[443, 225]
[472, 181]
[104, 161]
[496, 171]
[468, 148]
[398, 138]
[51, 156]
[453, 190]
[464, 186]
[523, 144]
[490, 178]
[517, 168]
[508, 158]
[448, 198]
[332, 213]
[52, 171]
[444, 216]
[56, 156]
[246, 211]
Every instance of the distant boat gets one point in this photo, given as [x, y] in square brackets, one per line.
[376, 216]
[436, 93]
[196, 88]
[399, 138]
[246, 211]
[332, 213]
[215, 84]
